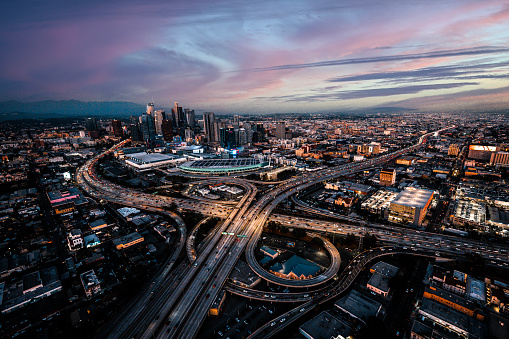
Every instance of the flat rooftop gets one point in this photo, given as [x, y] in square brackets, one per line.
[413, 197]
[149, 158]
[358, 305]
[224, 163]
[243, 274]
[324, 325]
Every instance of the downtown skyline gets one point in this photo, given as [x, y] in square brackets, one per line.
[256, 57]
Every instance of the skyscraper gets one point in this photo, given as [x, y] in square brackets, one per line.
[209, 126]
[190, 118]
[179, 118]
[167, 130]
[91, 124]
[150, 108]
[281, 130]
[148, 128]
[117, 127]
[159, 116]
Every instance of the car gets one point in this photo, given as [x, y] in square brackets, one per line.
[282, 320]
[220, 333]
[273, 323]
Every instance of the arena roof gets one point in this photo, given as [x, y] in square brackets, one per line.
[223, 165]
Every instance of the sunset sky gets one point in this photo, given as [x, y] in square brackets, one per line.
[259, 56]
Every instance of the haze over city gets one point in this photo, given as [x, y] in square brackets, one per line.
[259, 56]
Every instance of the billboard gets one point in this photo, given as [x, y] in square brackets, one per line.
[482, 148]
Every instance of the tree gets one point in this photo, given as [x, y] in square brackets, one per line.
[369, 240]
[317, 242]
[299, 233]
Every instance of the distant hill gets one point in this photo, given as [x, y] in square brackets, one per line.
[10, 110]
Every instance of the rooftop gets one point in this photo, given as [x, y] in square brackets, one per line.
[358, 305]
[413, 197]
[149, 158]
[324, 325]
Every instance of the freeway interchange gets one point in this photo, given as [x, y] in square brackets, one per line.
[176, 302]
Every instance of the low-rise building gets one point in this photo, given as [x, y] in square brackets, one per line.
[90, 283]
[380, 201]
[359, 306]
[410, 206]
[324, 325]
[451, 319]
[381, 272]
[75, 240]
[128, 240]
[387, 176]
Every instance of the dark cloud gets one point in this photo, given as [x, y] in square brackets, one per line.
[485, 50]
[369, 93]
[430, 73]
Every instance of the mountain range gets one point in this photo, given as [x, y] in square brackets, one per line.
[12, 109]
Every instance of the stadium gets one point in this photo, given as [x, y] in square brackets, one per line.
[223, 166]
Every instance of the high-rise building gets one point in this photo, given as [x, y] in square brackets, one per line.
[148, 129]
[117, 127]
[91, 124]
[150, 108]
[242, 137]
[159, 116]
[179, 119]
[387, 176]
[135, 132]
[209, 126]
[190, 118]
[228, 137]
[167, 130]
[281, 130]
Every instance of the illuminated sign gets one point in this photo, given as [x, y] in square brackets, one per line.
[482, 148]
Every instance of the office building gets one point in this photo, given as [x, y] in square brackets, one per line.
[91, 124]
[410, 206]
[167, 130]
[387, 177]
[454, 150]
[209, 126]
[281, 130]
[150, 108]
[178, 116]
[135, 132]
[190, 118]
[159, 116]
[148, 129]
[117, 127]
